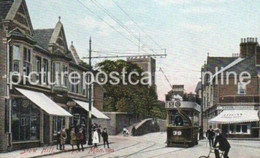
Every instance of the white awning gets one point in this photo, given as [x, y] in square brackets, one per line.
[95, 111]
[236, 116]
[44, 102]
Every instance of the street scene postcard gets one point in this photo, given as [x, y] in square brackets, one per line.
[129, 78]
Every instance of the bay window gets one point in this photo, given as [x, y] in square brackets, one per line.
[38, 65]
[45, 71]
[57, 74]
[26, 61]
[16, 58]
[65, 75]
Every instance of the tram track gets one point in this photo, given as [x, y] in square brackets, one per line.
[139, 151]
[120, 149]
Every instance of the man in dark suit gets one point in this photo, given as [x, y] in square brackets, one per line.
[210, 134]
[105, 137]
[223, 144]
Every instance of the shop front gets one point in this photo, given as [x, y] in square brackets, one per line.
[238, 123]
[34, 117]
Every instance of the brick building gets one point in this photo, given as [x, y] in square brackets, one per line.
[31, 114]
[227, 102]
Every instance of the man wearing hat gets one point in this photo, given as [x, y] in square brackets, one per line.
[223, 144]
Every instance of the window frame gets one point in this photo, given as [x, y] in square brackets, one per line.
[16, 62]
[241, 88]
[27, 60]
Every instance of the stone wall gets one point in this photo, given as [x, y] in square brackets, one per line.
[162, 125]
[116, 123]
[147, 126]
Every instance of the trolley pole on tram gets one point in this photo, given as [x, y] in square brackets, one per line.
[90, 98]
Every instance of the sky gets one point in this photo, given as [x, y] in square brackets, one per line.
[188, 29]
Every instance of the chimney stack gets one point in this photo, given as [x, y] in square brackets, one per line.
[248, 47]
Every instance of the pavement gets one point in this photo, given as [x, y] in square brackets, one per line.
[148, 146]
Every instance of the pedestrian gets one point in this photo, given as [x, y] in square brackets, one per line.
[73, 138]
[58, 141]
[99, 132]
[63, 137]
[105, 138]
[178, 121]
[84, 134]
[80, 139]
[95, 138]
[223, 144]
[133, 131]
[125, 131]
[210, 134]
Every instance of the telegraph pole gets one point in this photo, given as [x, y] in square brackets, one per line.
[90, 98]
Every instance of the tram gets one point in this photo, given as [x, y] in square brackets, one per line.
[182, 123]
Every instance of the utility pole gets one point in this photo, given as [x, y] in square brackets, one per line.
[90, 98]
[139, 43]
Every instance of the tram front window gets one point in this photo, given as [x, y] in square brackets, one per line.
[176, 120]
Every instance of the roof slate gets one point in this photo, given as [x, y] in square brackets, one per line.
[213, 62]
[5, 6]
[43, 36]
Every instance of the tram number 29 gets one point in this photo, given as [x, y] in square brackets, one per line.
[177, 133]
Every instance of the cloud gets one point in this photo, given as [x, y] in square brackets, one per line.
[201, 10]
[182, 2]
[92, 24]
[196, 27]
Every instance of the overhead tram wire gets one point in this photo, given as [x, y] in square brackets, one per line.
[100, 6]
[106, 22]
[165, 77]
[136, 23]
[124, 56]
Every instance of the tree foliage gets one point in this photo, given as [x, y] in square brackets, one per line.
[140, 100]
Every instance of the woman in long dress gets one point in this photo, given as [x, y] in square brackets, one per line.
[95, 138]
[63, 137]
[73, 138]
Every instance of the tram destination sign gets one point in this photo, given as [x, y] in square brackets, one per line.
[172, 104]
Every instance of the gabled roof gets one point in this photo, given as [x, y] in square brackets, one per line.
[5, 6]
[57, 30]
[15, 8]
[74, 54]
[43, 36]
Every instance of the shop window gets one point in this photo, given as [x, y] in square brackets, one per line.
[25, 120]
[58, 123]
[239, 128]
[26, 61]
[16, 58]
[244, 128]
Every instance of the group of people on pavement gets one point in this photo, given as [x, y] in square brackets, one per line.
[78, 137]
[97, 134]
[218, 141]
